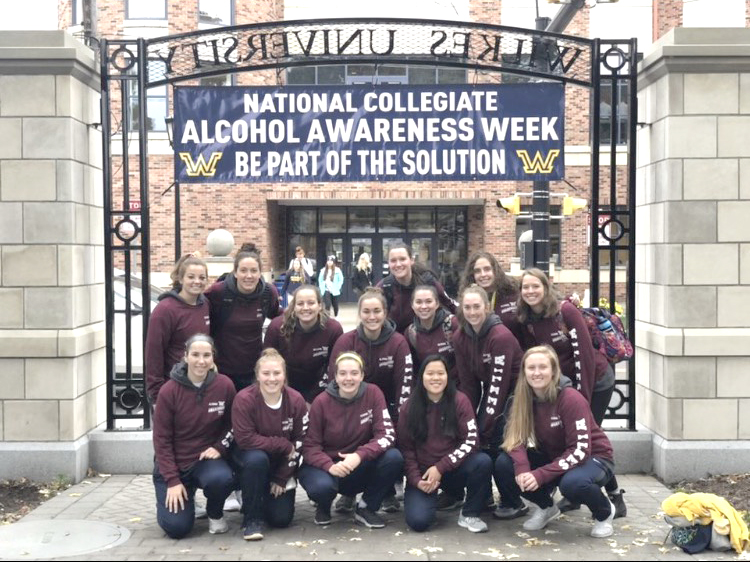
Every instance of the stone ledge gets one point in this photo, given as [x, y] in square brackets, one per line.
[45, 461]
[680, 460]
[83, 340]
[716, 341]
[665, 341]
[121, 452]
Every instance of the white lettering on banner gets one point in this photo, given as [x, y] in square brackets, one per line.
[521, 128]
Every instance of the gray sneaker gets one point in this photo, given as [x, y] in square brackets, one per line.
[217, 526]
[503, 512]
[540, 517]
[391, 505]
[345, 504]
[474, 524]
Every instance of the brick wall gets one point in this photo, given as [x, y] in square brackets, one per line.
[667, 14]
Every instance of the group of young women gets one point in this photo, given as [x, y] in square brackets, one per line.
[510, 388]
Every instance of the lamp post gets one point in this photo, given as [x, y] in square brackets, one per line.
[177, 223]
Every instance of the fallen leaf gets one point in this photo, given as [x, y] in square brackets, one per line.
[510, 545]
[398, 533]
[461, 553]
[86, 482]
[433, 549]
[353, 531]
[415, 552]
[625, 527]
[533, 541]
[135, 520]
[319, 541]
[185, 550]
[353, 539]
[512, 556]
[745, 555]
[555, 550]
[102, 475]
[551, 532]
[663, 550]
[522, 535]
[298, 544]
[313, 553]
[639, 542]
[223, 548]
[619, 551]
[75, 495]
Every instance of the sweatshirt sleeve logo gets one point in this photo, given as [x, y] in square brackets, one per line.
[365, 417]
[217, 406]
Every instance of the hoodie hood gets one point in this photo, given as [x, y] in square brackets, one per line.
[389, 328]
[491, 320]
[175, 294]
[440, 317]
[333, 390]
[564, 383]
[231, 282]
[180, 376]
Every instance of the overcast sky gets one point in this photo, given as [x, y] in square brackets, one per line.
[28, 14]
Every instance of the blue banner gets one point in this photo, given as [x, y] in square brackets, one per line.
[369, 133]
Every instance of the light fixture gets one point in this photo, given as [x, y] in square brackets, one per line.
[169, 121]
[511, 204]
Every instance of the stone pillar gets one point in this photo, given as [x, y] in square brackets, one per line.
[693, 252]
[52, 368]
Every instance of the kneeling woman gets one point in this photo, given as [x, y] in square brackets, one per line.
[571, 451]
[191, 420]
[437, 434]
[348, 446]
[268, 420]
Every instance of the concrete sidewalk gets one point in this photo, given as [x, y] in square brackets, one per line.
[128, 501]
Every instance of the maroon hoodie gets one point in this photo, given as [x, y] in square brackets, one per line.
[437, 339]
[399, 298]
[388, 363]
[190, 419]
[238, 332]
[278, 432]
[172, 323]
[361, 425]
[569, 336]
[488, 364]
[566, 432]
[506, 307]
[443, 452]
[306, 353]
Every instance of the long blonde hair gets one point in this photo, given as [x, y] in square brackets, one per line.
[520, 428]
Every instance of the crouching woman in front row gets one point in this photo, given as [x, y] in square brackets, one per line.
[191, 420]
[348, 447]
[569, 449]
[437, 434]
[269, 421]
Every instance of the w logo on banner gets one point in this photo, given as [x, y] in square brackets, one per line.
[538, 165]
[200, 167]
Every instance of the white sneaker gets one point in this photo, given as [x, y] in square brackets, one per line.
[604, 529]
[233, 502]
[217, 526]
[474, 524]
[540, 517]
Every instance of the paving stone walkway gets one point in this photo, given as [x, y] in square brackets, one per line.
[128, 500]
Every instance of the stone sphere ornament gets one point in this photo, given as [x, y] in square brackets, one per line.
[220, 242]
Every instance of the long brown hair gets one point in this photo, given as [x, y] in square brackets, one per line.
[502, 284]
[520, 428]
[290, 318]
[178, 272]
[550, 302]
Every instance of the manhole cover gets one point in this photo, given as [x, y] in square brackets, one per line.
[57, 538]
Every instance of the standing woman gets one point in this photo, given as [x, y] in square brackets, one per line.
[432, 330]
[570, 449]
[239, 306]
[295, 277]
[191, 422]
[348, 447]
[398, 286]
[362, 277]
[330, 282]
[181, 313]
[305, 336]
[546, 320]
[502, 290]
[437, 435]
[269, 421]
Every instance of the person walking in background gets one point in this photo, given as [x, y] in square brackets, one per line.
[362, 277]
[307, 264]
[330, 282]
[295, 277]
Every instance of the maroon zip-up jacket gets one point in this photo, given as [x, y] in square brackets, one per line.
[506, 307]
[189, 419]
[399, 298]
[172, 323]
[569, 336]
[306, 353]
[443, 452]
[278, 432]
[361, 425]
[239, 341]
[424, 342]
[566, 432]
[488, 363]
[388, 362]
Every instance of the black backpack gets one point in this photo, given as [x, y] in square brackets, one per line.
[227, 303]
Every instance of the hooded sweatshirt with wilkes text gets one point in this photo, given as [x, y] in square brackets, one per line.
[399, 298]
[437, 339]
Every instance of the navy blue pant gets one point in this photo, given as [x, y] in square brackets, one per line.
[214, 477]
[473, 475]
[373, 478]
[254, 469]
[581, 484]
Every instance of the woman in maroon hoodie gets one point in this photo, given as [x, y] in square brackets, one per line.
[398, 286]
[570, 449]
[348, 447]
[546, 320]
[269, 420]
[239, 306]
[181, 313]
[437, 435]
[305, 336]
[484, 270]
[432, 330]
[192, 420]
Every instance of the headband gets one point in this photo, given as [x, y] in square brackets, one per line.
[351, 355]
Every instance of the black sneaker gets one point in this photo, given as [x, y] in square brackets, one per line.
[619, 502]
[566, 505]
[253, 531]
[322, 515]
[448, 502]
[391, 505]
[505, 512]
[368, 518]
[345, 504]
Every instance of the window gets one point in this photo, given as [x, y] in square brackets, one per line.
[214, 13]
[216, 81]
[392, 219]
[156, 102]
[362, 219]
[374, 74]
[331, 74]
[77, 12]
[303, 220]
[302, 75]
[333, 220]
[146, 10]
[523, 223]
[421, 220]
[620, 128]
